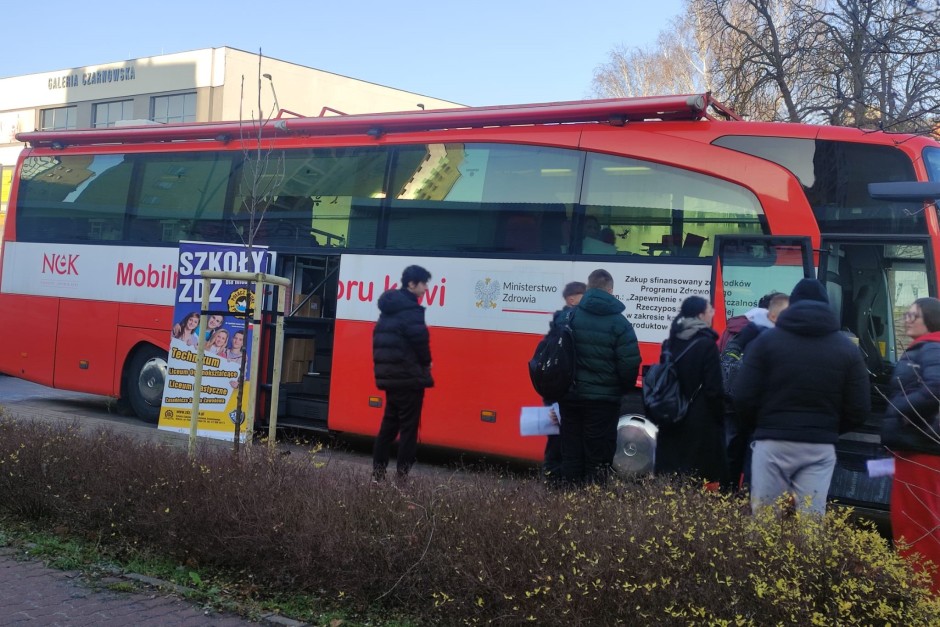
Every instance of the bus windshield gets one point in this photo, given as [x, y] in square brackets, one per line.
[932, 161]
[835, 177]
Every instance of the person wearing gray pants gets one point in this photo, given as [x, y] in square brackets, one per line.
[801, 384]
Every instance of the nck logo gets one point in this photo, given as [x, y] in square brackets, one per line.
[59, 264]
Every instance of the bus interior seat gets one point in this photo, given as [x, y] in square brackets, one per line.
[145, 230]
[57, 228]
[209, 230]
[692, 246]
[555, 228]
[289, 220]
[522, 234]
[671, 243]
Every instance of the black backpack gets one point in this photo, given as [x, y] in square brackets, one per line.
[730, 360]
[663, 400]
[552, 365]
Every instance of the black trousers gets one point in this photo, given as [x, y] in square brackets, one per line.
[402, 417]
[551, 467]
[588, 440]
[738, 449]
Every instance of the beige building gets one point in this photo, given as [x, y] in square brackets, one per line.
[208, 85]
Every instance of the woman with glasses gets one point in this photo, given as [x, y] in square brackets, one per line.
[911, 432]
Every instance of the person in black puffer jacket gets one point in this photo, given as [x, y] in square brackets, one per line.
[401, 354]
[608, 359]
[911, 431]
[695, 447]
[801, 384]
[551, 467]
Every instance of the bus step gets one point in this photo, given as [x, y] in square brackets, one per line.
[306, 408]
[294, 422]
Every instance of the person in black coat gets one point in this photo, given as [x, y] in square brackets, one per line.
[401, 354]
[801, 384]
[695, 446]
[572, 293]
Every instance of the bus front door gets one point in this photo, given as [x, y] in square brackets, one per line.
[747, 267]
[870, 286]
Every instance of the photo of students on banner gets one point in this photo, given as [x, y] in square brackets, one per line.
[226, 340]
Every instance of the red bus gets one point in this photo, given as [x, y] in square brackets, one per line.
[504, 205]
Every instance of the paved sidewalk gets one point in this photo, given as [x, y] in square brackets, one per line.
[32, 594]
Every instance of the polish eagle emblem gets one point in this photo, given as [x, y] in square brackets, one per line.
[486, 292]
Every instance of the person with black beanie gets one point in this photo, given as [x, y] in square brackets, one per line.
[801, 384]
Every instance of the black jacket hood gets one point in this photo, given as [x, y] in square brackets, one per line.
[808, 317]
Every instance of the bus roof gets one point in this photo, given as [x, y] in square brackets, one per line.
[615, 111]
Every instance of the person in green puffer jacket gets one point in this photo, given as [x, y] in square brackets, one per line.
[608, 360]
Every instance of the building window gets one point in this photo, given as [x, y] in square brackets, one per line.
[107, 113]
[58, 119]
[175, 108]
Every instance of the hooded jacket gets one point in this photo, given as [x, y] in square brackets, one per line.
[401, 351]
[911, 422]
[608, 353]
[803, 380]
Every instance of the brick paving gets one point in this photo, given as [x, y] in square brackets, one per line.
[33, 593]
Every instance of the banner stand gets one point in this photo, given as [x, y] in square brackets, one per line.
[260, 280]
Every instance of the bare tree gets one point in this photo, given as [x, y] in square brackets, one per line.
[866, 63]
[262, 175]
[883, 64]
[759, 50]
[678, 64]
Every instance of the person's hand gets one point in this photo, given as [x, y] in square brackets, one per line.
[553, 416]
[177, 329]
[234, 384]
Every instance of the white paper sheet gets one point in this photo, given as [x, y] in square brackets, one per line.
[538, 420]
[881, 467]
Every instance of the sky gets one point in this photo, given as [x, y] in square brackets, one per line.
[477, 52]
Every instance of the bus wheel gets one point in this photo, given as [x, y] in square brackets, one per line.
[146, 374]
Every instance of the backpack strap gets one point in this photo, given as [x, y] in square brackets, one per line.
[687, 348]
[681, 355]
[569, 318]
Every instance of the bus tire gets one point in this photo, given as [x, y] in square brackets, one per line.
[146, 374]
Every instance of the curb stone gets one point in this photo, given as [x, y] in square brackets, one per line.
[266, 619]
[277, 619]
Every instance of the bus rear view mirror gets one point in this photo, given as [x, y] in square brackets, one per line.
[905, 190]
